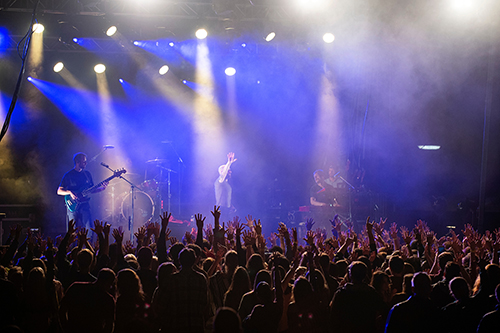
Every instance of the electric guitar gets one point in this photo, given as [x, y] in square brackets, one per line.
[83, 193]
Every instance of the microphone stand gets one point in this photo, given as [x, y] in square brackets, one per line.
[181, 162]
[132, 189]
[96, 156]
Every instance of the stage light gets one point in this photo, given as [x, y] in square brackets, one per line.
[136, 43]
[184, 81]
[111, 30]
[38, 28]
[201, 34]
[230, 71]
[429, 147]
[243, 45]
[171, 44]
[99, 68]
[29, 78]
[270, 36]
[328, 38]
[163, 70]
[58, 67]
[462, 5]
[120, 80]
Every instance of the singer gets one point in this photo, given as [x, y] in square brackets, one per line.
[73, 183]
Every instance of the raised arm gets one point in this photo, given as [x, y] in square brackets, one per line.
[227, 166]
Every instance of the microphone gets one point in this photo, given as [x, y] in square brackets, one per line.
[108, 147]
[104, 165]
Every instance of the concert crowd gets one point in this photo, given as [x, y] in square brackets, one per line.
[228, 277]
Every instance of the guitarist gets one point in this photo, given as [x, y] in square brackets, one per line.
[74, 182]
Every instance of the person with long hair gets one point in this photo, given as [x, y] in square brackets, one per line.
[240, 285]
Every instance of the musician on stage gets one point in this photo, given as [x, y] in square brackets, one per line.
[223, 190]
[74, 182]
[322, 200]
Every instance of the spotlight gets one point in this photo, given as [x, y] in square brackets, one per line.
[230, 71]
[29, 78]
[136, 43]
[163, 70]
[243, 45]
[111, 31]
[120, 80]
[99, 68]
[201, 34]
[58, 67]
[429, 147]
[328, 38]
[171, 44]
[270, 36]
[184, 81]
[38, 28]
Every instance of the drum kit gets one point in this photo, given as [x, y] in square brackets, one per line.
[134, 205]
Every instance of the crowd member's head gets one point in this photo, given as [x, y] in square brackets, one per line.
[254, 264]
[187, 258]
[302, 290]
[241, 280]
[421, 285]
[145, 257]
[459, 288]
[357, 272]
[106, 280]
[226, 320]
[84, 259]
[129, 284]
[262, 276]
[396, 265]
[165, 271]
[174, 253]
[264, 293]
[231, 260]
[407, 288]
[451, 270]
[443, 259]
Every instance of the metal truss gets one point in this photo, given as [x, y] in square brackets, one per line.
[247, 11]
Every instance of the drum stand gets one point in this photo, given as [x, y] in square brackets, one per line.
[169, 190]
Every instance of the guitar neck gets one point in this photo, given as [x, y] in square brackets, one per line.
[91, 189]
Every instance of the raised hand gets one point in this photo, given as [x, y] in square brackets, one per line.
[140, 234]
[216, 213]
[98, 227]
[258, 228]
[188, 237]
[394, 230]
[71, 227]
[407, 236]
[248, 238]
[165, 218]
[309, 237]
[309, 224]
[230, 158]
[273, 238]
[118, 235]
[173, 240]
[250, 221]
[106, 229]
[199, 221]
[82, 236]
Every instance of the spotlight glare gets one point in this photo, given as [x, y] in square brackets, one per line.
[184, 81]
[111, 31]
[328, 38]
[38, 28]
[270, 36]
[58, 67]
[429, 147]
[29, 78]
[201, 34]
[243, 45]
[136, 43]
[163, 70]
[75, 40]
[462, 5]
[99, 68]
[120, 80]
[230, 71]
[171, 44]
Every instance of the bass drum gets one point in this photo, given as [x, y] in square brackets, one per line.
[144, 208]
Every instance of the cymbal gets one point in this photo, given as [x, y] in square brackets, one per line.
[157, 161]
